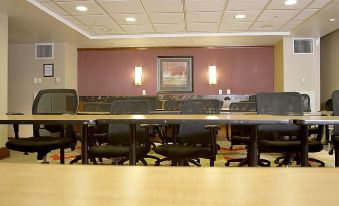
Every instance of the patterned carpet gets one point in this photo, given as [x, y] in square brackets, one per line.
[225, 153]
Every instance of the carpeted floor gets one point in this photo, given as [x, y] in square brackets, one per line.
[223, 154]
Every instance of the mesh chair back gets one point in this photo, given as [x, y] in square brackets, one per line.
[243, 107]
[279, 103]
[201, 106]
[252, 98]
[54, 101]
[151, 99]
[173, 105]
[195, 133]
[335, 107]
[305, 100]
[97, 107]
[119, 133]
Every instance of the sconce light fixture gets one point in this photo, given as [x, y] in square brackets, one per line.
[137, 75]
[212, 75]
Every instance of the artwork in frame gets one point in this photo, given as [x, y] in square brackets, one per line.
[175, 74]
[48, 70]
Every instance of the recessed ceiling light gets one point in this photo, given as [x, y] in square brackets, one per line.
[81, 8]
[130, 19]
[290, 2]
[240, 16]
[330, 20]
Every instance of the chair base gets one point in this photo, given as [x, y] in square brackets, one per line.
[244, 161]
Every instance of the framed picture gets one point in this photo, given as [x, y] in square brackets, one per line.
[175, 74]
[48, 70]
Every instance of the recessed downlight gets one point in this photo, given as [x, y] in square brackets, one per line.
[290, 2]
[130, 19]
[81, 8]
[240, 16]
[330, 20]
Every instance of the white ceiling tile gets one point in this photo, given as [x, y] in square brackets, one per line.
[204, 5]
[106, 30]
[201, 27]
[203, 16]
[234, 26]
[229, 16]
[306, 13]
[92, 7]
[280, 4]
[241, 5]
[73, 20]
[121, 6]
[87, 30]
[317, 4]
[137, 29]
[169, 28]
[43, 1]
[53, 7]
[166, 18]
[96, 20]
[157, 6]
[277, 15]
[291, 25]
[140, 18]
[267, 26]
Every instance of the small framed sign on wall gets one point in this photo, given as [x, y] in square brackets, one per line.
[48, 70]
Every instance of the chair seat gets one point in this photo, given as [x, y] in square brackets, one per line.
[112, 151]
[176, 151]
[38, 144]
[288, 146]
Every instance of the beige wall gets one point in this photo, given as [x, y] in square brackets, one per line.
[329, 74]
[71, 67]
[23, 68]
[3, 74]
[279, 67]
[302, 72]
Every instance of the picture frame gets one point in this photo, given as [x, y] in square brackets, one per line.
[175, 74]
[48, 70]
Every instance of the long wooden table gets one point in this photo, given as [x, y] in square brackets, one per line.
[56, 185]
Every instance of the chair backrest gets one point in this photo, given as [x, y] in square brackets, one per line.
[201, 106]
[252, 98]
[195, 133]
[151, 99]
[243, 107]
[118, 134]
[97, 107]
[173, 105]
[335, 107]
[306, 103]
[54, 101]
[279, 103]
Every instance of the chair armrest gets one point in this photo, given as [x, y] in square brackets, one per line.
[212, 127]
[150, 125]
[14, 113]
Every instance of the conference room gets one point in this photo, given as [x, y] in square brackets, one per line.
[198, 88]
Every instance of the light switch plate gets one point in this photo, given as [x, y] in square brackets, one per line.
[220, 91]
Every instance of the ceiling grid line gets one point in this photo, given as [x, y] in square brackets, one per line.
[146, 14]
[262, 11]
[222, 15]
[183, 10]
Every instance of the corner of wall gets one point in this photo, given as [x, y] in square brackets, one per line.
[278, 67]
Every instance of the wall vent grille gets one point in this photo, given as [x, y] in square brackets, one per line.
[303, 46]
[44, 51]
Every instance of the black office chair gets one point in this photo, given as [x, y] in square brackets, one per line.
[118, 134]
[335, 139]
[241, 134]
[49, 101]
[195, 140]
[281, 138]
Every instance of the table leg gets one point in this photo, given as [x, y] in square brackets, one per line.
[304, 146]
[84, 143]
[253, 148]
[132, 144]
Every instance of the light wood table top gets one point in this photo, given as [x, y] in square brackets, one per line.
[52, 185]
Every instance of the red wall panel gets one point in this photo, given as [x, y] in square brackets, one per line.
[110, 72]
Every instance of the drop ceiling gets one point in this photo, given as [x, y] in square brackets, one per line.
[168, 22]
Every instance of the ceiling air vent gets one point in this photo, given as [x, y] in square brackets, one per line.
[303, 46]
[44, 51]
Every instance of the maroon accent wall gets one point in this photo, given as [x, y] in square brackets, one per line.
[110, 72]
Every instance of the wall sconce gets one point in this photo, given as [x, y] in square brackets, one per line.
[137, 75]
[212, 75]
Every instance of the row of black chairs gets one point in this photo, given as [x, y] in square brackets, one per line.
[191, 141]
